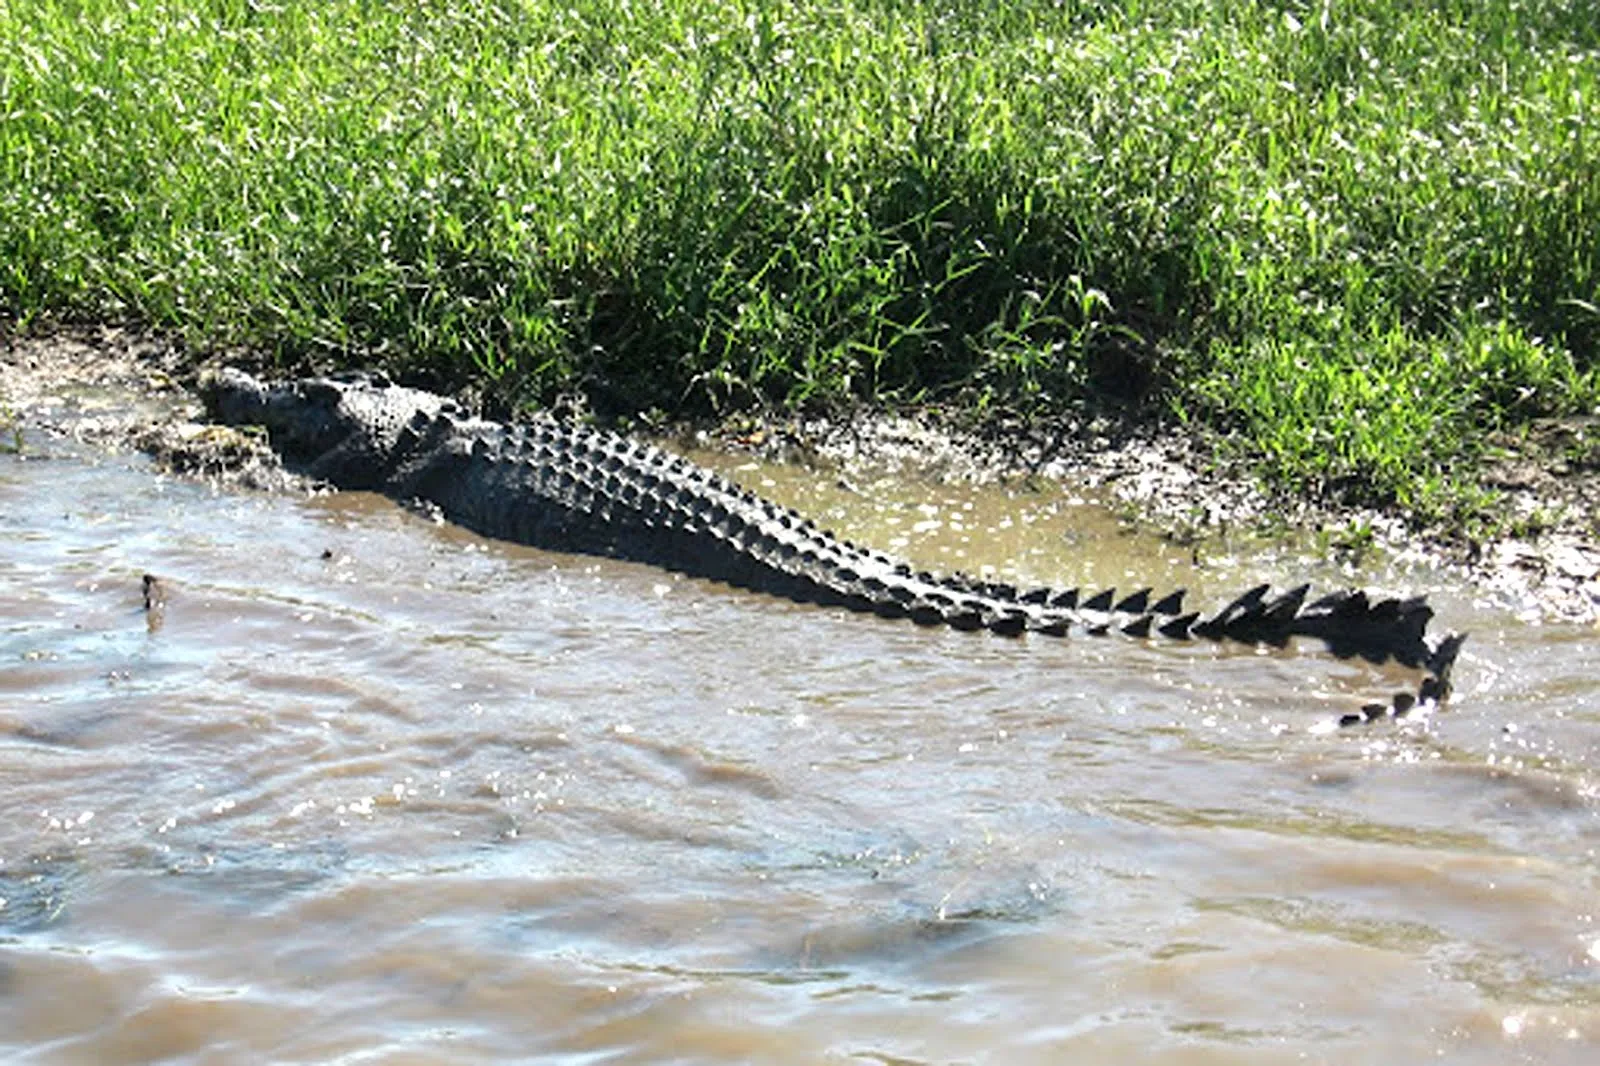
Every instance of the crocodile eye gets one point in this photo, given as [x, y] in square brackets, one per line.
[321, 390]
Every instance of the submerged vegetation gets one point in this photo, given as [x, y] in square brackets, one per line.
[1357, 236]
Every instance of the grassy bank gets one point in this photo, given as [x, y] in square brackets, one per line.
[1356, 235]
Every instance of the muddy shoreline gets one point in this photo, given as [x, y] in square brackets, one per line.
[1157, 477]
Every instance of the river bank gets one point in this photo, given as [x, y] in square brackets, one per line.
[1544, 564]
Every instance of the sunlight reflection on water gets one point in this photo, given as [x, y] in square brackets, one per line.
[377, 787]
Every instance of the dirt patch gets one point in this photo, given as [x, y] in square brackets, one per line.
[1170, 480]
[121, 388]
[1548, 477]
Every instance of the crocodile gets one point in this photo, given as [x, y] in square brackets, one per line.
[569, 487]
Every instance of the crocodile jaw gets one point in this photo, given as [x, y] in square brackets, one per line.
[305, 419]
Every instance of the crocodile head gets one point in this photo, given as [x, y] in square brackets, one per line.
[303, 418]
[343, 427]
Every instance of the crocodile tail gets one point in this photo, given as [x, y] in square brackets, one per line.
[1349, 622]
[1432, 693]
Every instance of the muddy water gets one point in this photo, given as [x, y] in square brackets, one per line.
[369, 789]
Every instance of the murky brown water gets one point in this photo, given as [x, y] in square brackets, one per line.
[379, 791]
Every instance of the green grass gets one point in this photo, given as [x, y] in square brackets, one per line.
[1355, 236]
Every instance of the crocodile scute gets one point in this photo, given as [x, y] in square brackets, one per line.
[567, 487]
